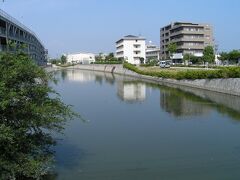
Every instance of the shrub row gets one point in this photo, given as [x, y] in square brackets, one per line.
[226, 72]
[108, 62]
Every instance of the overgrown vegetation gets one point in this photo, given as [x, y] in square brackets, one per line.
[232, 56]
[224, 72]
[30, 111]
[107, 59]
[108, 62]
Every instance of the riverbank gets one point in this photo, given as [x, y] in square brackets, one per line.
[227, 86]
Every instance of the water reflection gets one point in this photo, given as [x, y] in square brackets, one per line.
[78, 76]
[183, 101]
[178, 101]
[130, 91]
[180, 105]
[143, 138]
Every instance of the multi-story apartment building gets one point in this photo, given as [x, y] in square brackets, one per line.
[131, 49]
[152, 52]
[189, 38]
[15, 32]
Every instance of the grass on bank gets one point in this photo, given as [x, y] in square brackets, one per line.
[224, 72]
[65, 65]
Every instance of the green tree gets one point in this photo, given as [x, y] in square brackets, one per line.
[99, 57]
[224, 56]
[187, 57]
[141, 60]
[234, 55]
[55, 61]
[208, 54]
[30, 111]
[192, 58]
[172, 48]
[63, 59]
[111, 57]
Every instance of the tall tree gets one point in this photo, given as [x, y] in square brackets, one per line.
[172, 48]
[208, 54]
[30, 111]
[234, 55]
[224, 56]
[63, 59]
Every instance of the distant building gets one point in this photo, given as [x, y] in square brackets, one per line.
[11, 30]
[190, 38]
[152, 52]
[131, 49]
[81, 58]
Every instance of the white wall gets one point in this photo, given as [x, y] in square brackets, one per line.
[129, 51]
[83, 58]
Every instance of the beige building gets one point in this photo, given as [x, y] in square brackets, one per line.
[152, 52]
[190, 38]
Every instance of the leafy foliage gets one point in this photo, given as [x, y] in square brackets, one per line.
[106, 58]
[63, 59]
[208, 54]
[224, 72]
[233, 56]
[30, 111]
[172, 48]
[224, 56]
[192, 58]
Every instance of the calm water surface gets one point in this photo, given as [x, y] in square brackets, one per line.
[138, 131]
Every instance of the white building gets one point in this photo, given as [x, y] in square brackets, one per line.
[81, 58]
[131, 49]
[152, 52]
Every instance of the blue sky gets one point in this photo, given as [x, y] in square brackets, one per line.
[67, 26]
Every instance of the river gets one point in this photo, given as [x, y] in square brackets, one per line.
[133, 130]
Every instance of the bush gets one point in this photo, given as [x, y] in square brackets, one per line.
[30, 112]
[224, 72]
[108, 62]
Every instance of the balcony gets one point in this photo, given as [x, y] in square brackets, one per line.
[191, 47]
[187, 32]
[119, 47]
[186, 39]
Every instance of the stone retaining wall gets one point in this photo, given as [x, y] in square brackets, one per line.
[227, 86]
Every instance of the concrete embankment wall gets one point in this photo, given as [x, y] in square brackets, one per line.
[227, 86]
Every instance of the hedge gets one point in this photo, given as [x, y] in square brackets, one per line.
[108, 62]
[225, 72]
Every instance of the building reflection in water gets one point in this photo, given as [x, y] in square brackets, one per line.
[130, 91]
[79, 76]
[179, 105]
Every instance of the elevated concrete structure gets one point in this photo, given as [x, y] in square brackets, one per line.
[11, 30]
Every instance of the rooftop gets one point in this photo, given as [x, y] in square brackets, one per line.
[131, 37]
